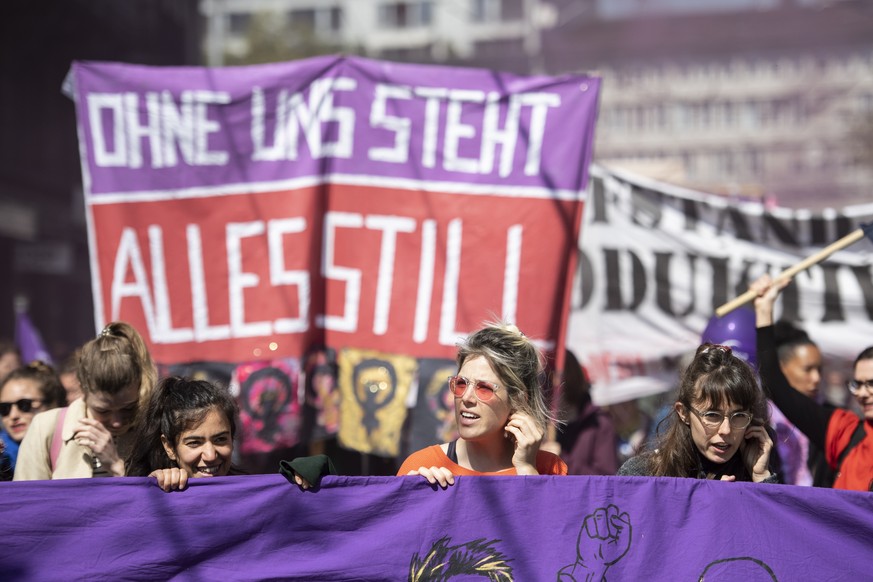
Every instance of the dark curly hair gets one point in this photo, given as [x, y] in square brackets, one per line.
[176, 405]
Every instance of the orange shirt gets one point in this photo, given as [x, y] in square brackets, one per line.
[434, 456]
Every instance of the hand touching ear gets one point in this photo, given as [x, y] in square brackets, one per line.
[527, 436]
[756, 452]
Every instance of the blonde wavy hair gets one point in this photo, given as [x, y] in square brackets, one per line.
[518, 363]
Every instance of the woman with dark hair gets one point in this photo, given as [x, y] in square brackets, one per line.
[500, 410]
[845, 439]
[800, 362]
[24, 392]
[717, 429]
[185, 431]
[92, 436]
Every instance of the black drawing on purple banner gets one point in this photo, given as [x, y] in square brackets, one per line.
[744, 569]
[604, 539]
[264, 395]
[443, 562]
[374, 382]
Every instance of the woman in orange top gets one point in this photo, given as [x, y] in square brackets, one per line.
[500, 411]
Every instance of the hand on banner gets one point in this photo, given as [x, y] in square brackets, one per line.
[526, 436]
[756, 452]
[174, 479]
[435, 475]
[93, 435]
[301, 482]
[767, 291]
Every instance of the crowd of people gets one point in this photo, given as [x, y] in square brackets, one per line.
[730, 420]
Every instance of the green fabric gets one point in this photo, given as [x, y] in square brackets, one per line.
[312, 469]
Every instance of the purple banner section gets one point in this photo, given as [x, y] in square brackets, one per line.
[169, 128]
[398, 528]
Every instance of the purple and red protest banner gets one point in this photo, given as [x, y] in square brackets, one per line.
[250, 212]
[398, 528]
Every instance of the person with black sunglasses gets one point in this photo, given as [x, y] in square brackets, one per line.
[500, 411]
[846, 439]
[23, 393]
[717, 428]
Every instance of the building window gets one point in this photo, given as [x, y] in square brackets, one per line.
[303, 18]
[729, 114]
[498, 10]
[318, 19]
[405, 14]
[501, 49]
[238, 22]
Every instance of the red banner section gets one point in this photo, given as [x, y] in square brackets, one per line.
[243, 276]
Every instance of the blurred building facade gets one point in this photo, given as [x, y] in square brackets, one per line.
[43, 243]
[410, 30]
[749, 98]
[775, 100]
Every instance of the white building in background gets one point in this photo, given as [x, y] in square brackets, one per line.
[773, 99]
[751, 98]
[423, 30]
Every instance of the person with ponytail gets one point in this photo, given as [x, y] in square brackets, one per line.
[500, 411]
[185, 431]
[92, 436]
[717, 428]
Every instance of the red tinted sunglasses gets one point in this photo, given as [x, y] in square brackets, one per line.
[483, 390]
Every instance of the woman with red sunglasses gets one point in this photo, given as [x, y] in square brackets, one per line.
[500, 411]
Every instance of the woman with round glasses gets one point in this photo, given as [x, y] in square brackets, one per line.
[847, 441]
[717, 427]
[23, 393]
[500, 411]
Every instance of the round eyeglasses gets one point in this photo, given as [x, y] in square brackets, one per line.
[856, 386]
[714, 418]
[483, 390]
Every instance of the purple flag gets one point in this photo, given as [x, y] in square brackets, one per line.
[261, 527]
[29, 341]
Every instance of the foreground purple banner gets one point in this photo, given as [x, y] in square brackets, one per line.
[389, 528]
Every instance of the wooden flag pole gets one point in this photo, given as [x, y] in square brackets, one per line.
[790, 272]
